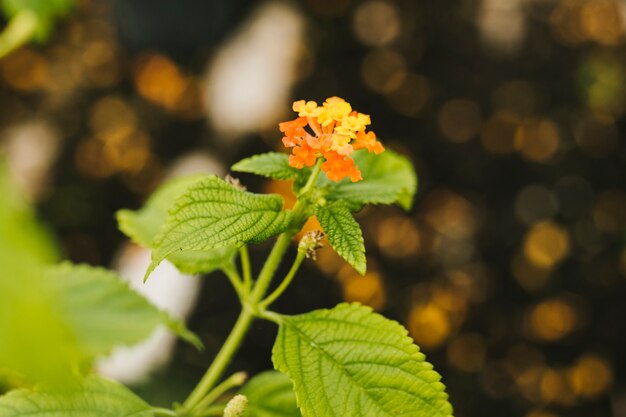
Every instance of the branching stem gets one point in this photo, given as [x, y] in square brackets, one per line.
[251, 299]
[245, 267]
[235, 280]
[285, 283]
[233, 381]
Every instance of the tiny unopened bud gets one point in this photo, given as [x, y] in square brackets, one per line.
[234, 182]
[310, 243]
[239, 378]
[236, 406]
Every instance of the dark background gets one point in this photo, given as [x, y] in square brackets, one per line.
[509, 271]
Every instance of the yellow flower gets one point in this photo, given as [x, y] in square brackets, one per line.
[353, 123]
[306, 109]
[341, 144]
[335, 109]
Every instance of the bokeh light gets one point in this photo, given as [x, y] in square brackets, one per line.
[467, 352]
[535, 203]
[546, 244]
[537, 141]
[499, 132]
[591, 376]
[429, 325]
[460, 120]
[376, 22]
[383, 70]
[552, 319]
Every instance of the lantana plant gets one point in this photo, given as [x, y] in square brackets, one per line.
[347, 361]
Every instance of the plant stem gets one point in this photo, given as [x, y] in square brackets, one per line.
[312, 178]
[245, 267]
[267, 273]
[285, 283]
[235, 279]
[272, 262]
[234, 380]
[250, 300]
[158, 411]
[222, 359]
[216, 410]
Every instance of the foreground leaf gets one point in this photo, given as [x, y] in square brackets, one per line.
[102, 311]
[388, 178]
[344, 233]
[271, 165]
[351, 362]
[28, 321]
[270, 394]
[45, 12]
[55, 320]
[144, 224]
[90, 397]
[35, 340]
[213, 213]
[19, 227]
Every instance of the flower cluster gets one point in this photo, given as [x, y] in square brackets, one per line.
[335, 132]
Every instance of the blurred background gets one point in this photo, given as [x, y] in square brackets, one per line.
[509, 272]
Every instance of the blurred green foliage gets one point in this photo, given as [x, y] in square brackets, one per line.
[55, 320]
[30, 20]
[47, 13]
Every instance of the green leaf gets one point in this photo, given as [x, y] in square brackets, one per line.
[35, 340]
[213, 213]
[144, 224]
[271, 165]
[90, 397]
[388, 178]
[274, 165]
[27, 320]
[103, 311]
[270, 394]
[352, 362]
[344, 233]
[19, 228]
[203, 261]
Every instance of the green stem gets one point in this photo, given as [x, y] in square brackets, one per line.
[251, 301]
[222, 359]
[267, 273]
[19, 31]
[271, 316]
[216, 410]
[312, 178]
[245, 267]
[158, 411]
[285, 283]
[235, 279]
[234, 380]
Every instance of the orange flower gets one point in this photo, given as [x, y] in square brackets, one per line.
[335, 132]
[303, 155]
[337, 167]
[293, 130]
[368, 141]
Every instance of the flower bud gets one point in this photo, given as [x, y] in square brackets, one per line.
[235, 182]
[236, 406]
[311, 242]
